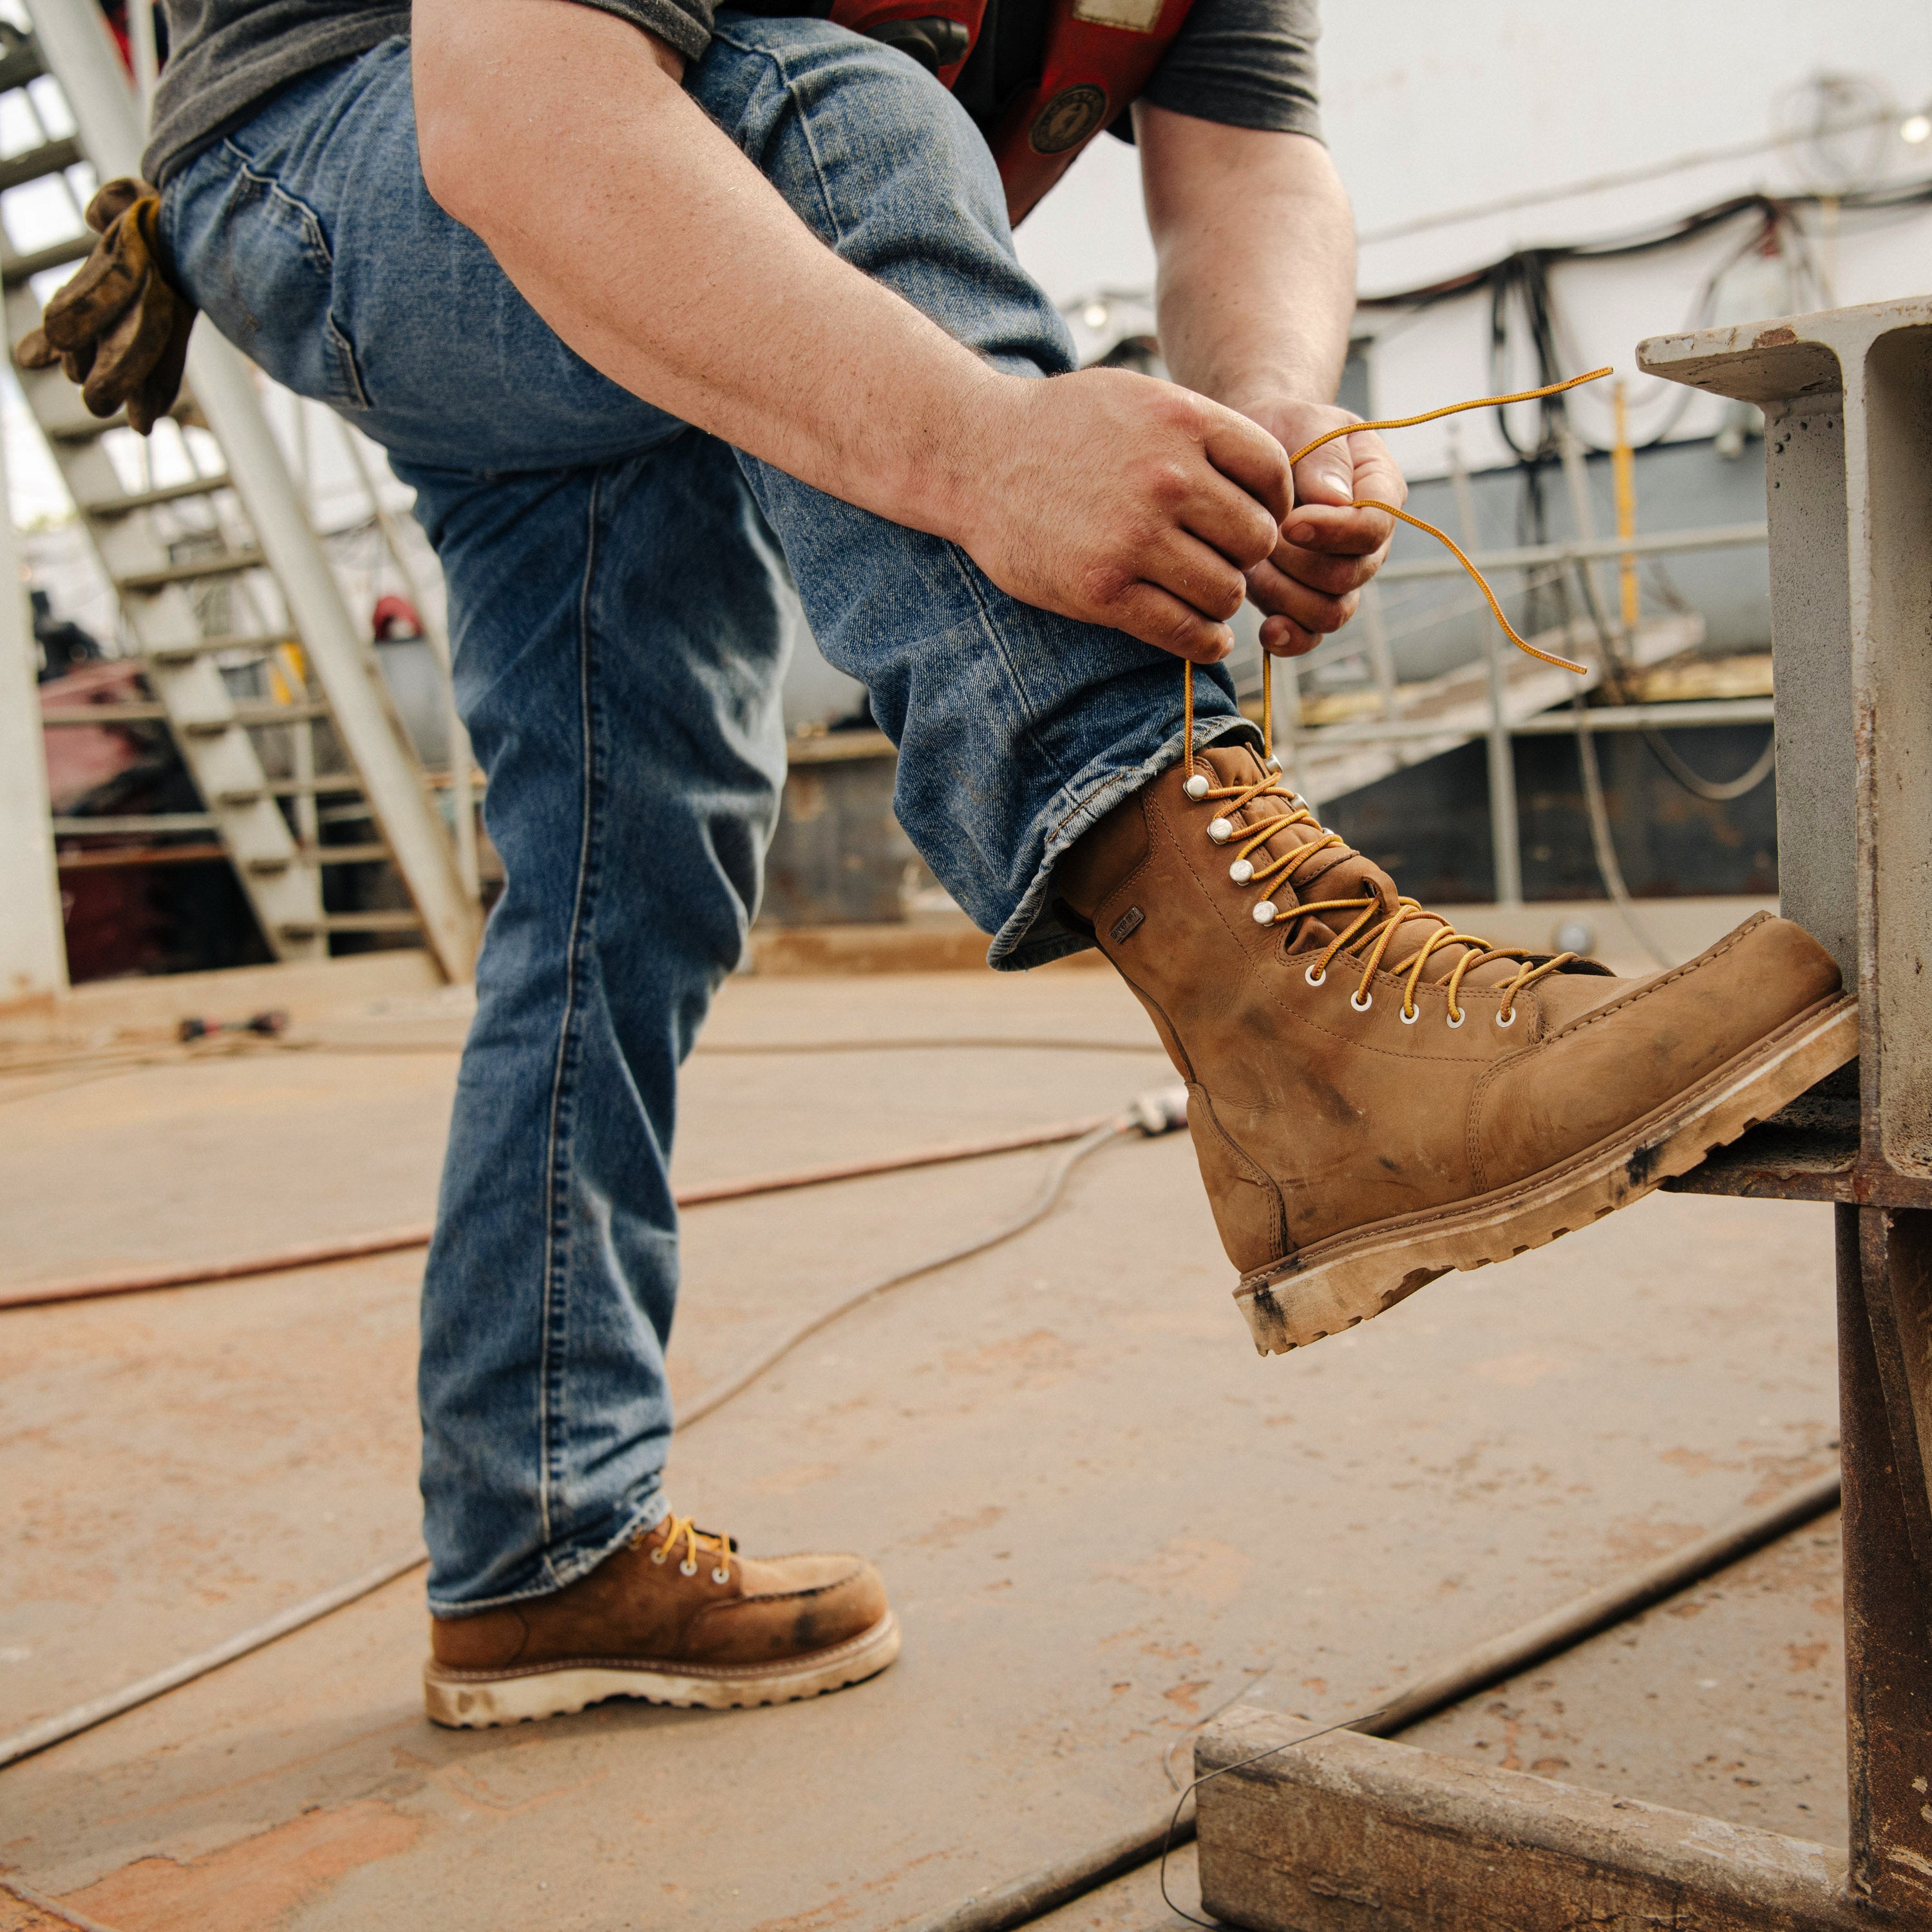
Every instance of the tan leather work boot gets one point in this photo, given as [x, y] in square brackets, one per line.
[1376, 1099]
[676, 1616]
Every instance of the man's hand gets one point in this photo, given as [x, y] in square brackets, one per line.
[1257, 289]
[1103, 496]
[1311, 584]
[1120, 500]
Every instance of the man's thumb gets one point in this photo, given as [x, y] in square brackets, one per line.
[1327, 476]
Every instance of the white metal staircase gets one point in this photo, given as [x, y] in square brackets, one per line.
[222, 571]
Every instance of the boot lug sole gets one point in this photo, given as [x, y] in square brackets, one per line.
[1348, 1279]
[476, 1699]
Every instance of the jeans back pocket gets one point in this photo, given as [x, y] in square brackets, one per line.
[257, 260]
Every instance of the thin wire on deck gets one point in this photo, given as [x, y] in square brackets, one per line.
[1160, 1110]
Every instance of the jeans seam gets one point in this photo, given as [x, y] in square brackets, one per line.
[968, 574]
[776, 63]
[555, 1301]
[315, 243]
[313, 236]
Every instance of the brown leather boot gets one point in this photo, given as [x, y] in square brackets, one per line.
[1376, 1100]
[676, 1616]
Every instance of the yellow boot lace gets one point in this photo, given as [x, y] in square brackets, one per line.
[1366, 936]
[681, 1529]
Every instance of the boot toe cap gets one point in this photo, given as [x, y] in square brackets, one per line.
[791, 1605]
[1594, 1074]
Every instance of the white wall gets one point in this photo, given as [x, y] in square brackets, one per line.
[1434, 106]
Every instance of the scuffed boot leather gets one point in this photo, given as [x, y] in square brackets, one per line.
[1375, 1100]
[676, 1616]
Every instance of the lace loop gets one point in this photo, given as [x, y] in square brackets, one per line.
[1366, 936]
[696, 1542]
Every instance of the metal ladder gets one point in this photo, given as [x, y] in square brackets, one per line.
[223, 570]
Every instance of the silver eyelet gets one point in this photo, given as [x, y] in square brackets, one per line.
[1315, 978]
[1409, 1018]
[1264, 912]
[687, 1568]
[1506, 1023]
[1220, 830]
[658, 1554]
[1272, 765]
[1360, 1005]
[1240, 871]
[1456, 1019]
[1196, 787]
[721, 1576]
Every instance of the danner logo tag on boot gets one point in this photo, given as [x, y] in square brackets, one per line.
[1125, 924]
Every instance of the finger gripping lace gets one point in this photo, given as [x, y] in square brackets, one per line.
[1443, 536]
[1415, 523]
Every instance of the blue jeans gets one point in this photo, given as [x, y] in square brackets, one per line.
[619, 647]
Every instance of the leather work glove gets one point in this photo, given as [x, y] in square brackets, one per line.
[120, 328]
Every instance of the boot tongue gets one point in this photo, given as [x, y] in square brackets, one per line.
[1336, 872]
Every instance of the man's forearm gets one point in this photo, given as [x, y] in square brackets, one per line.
[554, 131]
[1256, 253]
[636, 228]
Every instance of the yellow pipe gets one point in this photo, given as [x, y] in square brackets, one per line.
[1623, 467]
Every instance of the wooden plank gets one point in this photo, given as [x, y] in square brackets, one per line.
[1354, 1832]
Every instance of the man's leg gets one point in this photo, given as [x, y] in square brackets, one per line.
[1018, 730]
[1355, 1144]
[619, 644]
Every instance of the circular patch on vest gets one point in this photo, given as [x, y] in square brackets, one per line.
[1067, 119]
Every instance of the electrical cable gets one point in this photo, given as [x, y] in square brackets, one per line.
[354, 1247]
[98, 1710]
[1518, 286]
[1700, 158]
[1617, 670]
[135, 1057]
[1667, 755]
[1016, 1043]
[1601, 842]
[1646, 241]
[1042, 1203]
[1158, 1112]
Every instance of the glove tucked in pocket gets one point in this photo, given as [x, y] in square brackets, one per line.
[120, 328]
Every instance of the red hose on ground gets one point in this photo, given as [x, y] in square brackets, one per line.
[88, 1287]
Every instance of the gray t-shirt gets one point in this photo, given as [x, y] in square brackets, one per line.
[1247, 63]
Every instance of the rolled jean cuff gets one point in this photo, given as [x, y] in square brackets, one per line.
[562, 1567]
[1036, 934]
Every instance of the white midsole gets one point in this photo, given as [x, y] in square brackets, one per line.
[475, 1699]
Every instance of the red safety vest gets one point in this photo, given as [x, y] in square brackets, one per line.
[1096, 56]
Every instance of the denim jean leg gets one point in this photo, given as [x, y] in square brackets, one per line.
[1017, 729]
[620, 644]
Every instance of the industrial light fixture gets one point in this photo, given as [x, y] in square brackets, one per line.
[1915, 128]
[1094, 315]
